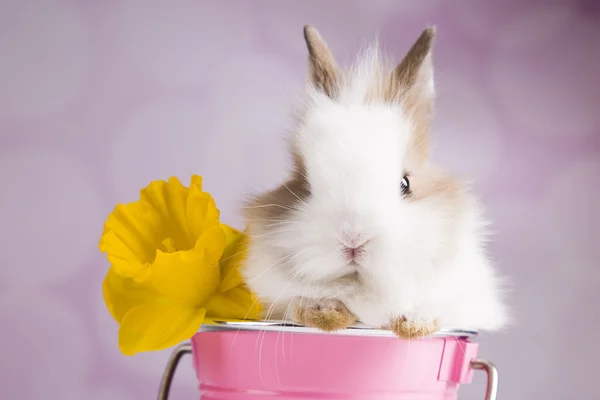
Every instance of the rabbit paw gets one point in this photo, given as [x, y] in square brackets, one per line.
[325, 314]
[413, 328]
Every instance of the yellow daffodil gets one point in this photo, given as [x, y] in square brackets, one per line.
[173, 265]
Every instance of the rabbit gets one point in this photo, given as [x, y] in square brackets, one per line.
[366, 228]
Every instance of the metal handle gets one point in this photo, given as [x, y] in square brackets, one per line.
[167, 378]
[492, 377]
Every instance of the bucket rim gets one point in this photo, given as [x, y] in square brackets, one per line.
[288, 326]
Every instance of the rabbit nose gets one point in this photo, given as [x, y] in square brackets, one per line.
[352, 253]
[356, 252]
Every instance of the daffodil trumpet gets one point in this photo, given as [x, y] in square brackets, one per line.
[173, 267]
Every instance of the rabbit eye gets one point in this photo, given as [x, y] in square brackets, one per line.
[405, 185]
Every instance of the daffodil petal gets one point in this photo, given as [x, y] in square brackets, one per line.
[212, 242]
[185, 276]
[238, 303]
[232, 259]
[196, 208]
[109, 300]
[172, 333]
[196, 182]
[122, 294]
[157, 327]
[230, 232]
[202, 213]
[168, 199]
[130, 237]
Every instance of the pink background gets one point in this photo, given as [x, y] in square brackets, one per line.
[99, 98]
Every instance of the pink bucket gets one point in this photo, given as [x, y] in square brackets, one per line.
[266, 360]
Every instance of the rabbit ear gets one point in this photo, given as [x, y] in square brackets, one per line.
[416, 69]
[412, 84]
[323, 70]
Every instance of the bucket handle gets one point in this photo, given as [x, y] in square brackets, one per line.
[491, 391]
[167, 378]
[492, 377]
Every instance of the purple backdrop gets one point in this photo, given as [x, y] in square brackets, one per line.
[99, 98]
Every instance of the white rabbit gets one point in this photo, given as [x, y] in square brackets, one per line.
[366, 228]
